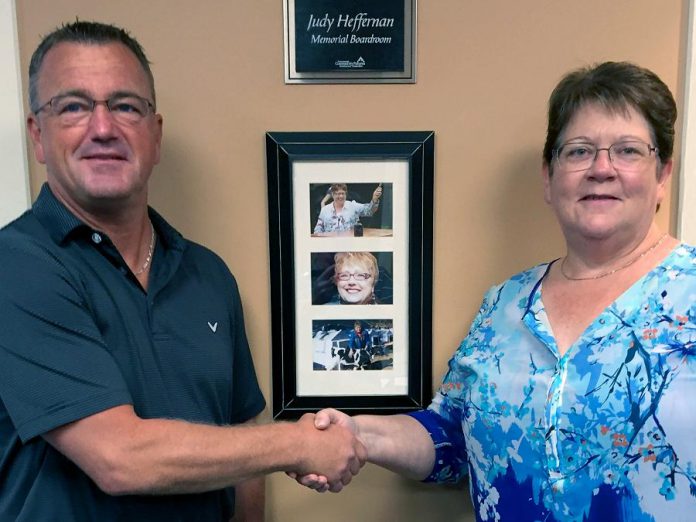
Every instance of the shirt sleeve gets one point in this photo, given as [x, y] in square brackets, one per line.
[324, 215]
[247, 399]
[450, 453]
[444, 417]
[55, 367]
[366, 209]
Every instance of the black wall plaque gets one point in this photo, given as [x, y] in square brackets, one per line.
[344, 41]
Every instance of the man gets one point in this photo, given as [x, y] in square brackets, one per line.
[123, 357]
[342, 215]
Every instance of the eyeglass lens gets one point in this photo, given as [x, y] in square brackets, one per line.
[623, 155]
[345, 276]
[75, 109]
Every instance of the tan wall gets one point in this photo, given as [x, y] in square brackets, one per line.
[485, 69]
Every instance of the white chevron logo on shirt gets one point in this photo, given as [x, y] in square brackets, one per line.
[213, 326]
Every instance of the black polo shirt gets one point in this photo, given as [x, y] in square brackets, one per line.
[79, 335]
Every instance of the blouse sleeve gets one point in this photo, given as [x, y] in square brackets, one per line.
[443, 418]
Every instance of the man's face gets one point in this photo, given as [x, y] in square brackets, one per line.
[98, 164]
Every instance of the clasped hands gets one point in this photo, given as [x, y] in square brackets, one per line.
[334, 452]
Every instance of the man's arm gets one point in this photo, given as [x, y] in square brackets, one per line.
[250, 497]
[125, 454]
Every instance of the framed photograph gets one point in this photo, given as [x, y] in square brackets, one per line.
[350, 235]
[350, 41]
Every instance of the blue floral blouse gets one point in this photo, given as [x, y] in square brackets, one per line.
[605, 433]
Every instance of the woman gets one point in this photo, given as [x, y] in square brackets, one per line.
[570, 399]
[360, 346]
[357, 354]
[342, 215]
[355, 275]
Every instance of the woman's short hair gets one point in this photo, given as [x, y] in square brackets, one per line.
[363, 259]
[339, 186]
[616, 86]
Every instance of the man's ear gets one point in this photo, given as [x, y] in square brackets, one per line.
[34, 130]
[158, 138]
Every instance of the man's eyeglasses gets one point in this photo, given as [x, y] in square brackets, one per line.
[624, 155]
[75, 109]
[345, 276]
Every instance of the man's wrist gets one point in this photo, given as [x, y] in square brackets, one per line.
[292, 451]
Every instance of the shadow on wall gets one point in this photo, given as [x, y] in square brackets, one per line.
[183, 186]
[527, 230]
[437, 502]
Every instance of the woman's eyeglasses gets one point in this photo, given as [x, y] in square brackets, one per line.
[345, 276]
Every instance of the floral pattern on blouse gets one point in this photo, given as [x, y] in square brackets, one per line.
[607, 432]
[332, 221]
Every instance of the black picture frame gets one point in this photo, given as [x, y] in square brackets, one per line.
[401, 165]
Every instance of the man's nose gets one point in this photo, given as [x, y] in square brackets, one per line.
[101, 121]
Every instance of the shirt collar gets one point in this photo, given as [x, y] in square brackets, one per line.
[55, 217]
[62, 224]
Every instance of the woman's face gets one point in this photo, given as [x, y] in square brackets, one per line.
[355, 283]
[603, 201]
[339, 196]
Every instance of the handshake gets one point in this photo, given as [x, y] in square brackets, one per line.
[335, 446]
[332, 451]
